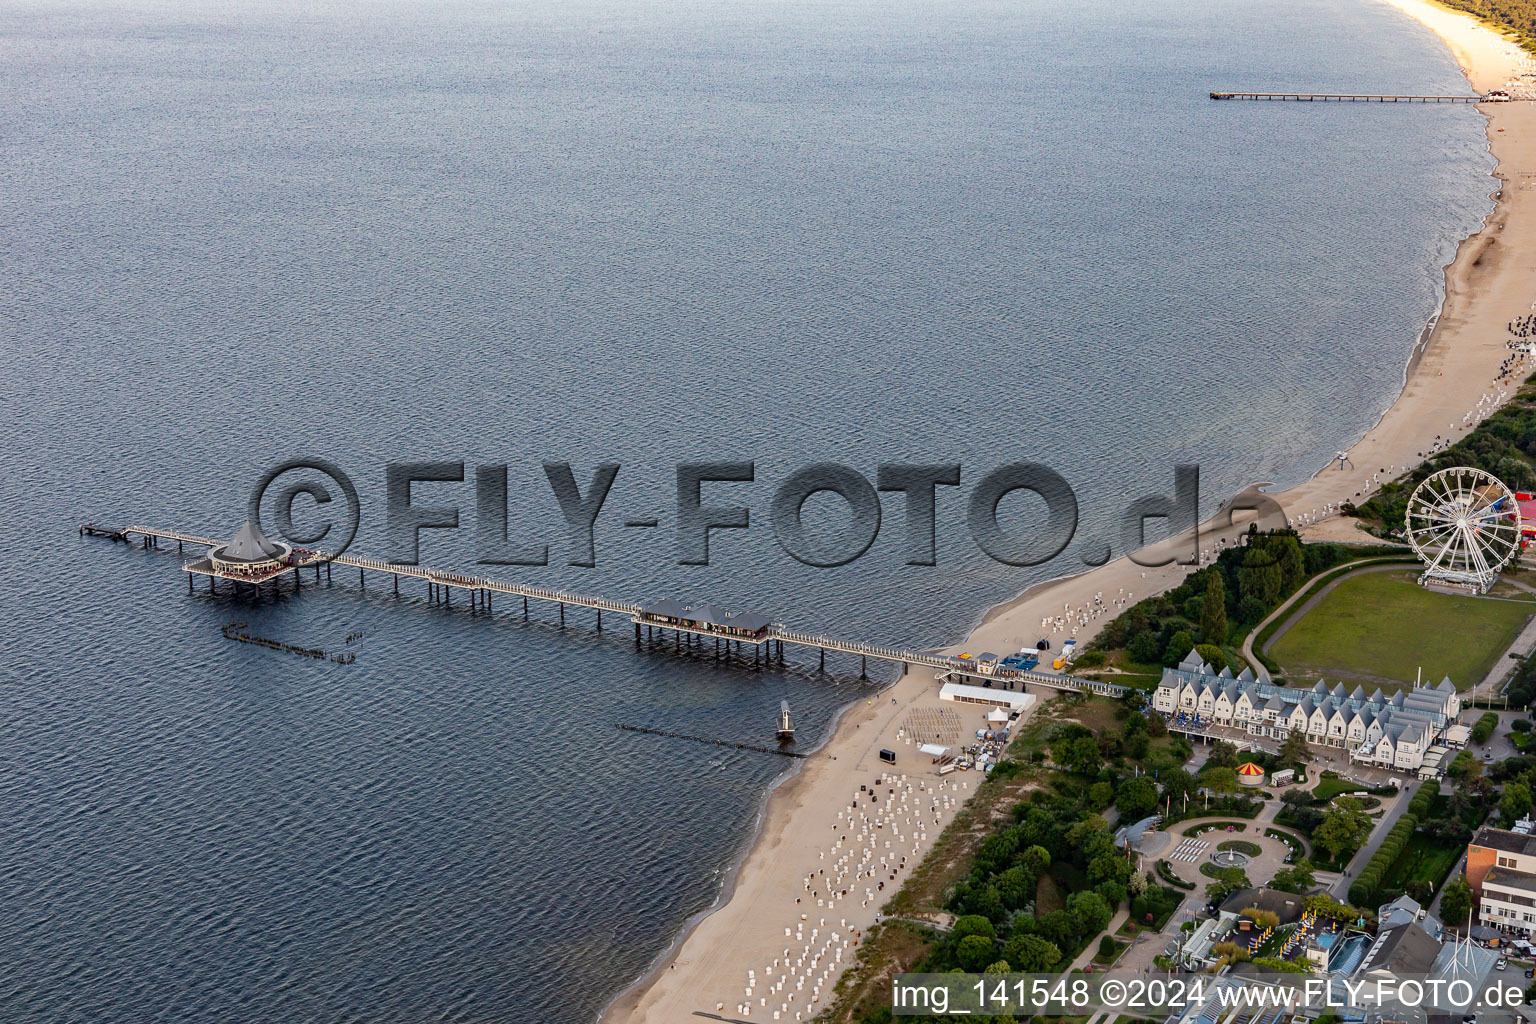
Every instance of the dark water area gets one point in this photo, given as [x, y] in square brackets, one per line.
[509, 233]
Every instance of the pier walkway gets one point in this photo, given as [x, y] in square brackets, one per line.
[1346, 97]
[481, 591]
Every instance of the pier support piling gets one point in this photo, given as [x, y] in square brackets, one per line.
[562, 616]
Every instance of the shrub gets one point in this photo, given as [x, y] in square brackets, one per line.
[1483, 730]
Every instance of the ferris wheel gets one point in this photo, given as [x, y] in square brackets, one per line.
[1465, 525]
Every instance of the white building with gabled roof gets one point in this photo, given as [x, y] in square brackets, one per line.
[1390, 732]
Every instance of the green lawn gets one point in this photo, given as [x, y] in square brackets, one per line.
[1380, 628]
[1423, 859]
[1327, 789]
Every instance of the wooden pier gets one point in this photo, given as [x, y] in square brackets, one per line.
[1343, 97]
[480, 592]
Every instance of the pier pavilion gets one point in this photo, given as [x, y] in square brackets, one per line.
[249, 558]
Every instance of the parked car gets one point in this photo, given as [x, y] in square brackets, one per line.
[1501, 965]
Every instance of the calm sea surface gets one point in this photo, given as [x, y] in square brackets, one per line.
[785, 232]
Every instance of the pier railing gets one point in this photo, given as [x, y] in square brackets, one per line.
[949, 665]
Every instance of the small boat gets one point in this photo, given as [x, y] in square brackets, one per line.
[786, 732]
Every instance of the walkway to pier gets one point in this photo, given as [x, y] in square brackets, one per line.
[481, 591]
[1345, 97]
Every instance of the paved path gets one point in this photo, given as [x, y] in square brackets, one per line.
[1086, 956]
[1366, 565]
[1492, 683]
[1362, 857]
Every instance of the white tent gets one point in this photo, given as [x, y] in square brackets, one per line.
[934, 749]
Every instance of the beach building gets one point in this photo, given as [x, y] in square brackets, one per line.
[1394, 731]
[1501, 869]
[1007, 700]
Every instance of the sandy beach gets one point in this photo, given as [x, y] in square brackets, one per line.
[1450, 383]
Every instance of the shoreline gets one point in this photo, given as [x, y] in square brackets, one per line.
[690, 974]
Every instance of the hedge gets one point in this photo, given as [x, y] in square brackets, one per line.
[1363, 891]
[1422, 806]
[1484, 727]
[1165, 872]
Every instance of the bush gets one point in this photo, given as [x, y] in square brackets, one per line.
[1521, 725]
[1107, 949]
[1483, 730]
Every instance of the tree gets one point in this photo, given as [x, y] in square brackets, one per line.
[1298, 878]
[1016, 886]
[1294, 752]
[1146, 647]
[1035, 860]
[1516, 802]
[1078, 754]
[974, 924]
[1212, 656]
[1260, 577]
[1136, 798]
[1222, 755]
[1293, 564]
[1343, 828]
[1031, 953]
[974, 952]
[1178, 784]
[1220, 780]
[1455, 900]
[1228, 881]
[1114, 893]
[1088, 913]
[1179, 645]
[1137, 745]
[1157, 726]
[1213, 611]
[1101, 795]
[1111, 867]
